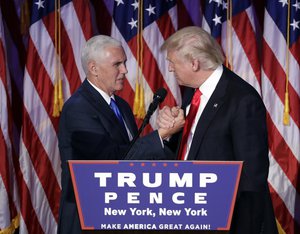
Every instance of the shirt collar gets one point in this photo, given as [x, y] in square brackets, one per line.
[102, 93]
[208, 87]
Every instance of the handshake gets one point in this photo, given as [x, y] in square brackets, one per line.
[170, 121]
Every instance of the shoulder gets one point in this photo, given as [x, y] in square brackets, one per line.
[239, 87]
[75, 100]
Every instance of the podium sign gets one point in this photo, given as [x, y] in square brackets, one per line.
[155, 195]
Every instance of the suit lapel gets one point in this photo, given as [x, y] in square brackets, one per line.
[214, 104]
[127, 115]
[105, 112]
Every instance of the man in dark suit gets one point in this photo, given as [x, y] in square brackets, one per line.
[96, 124]
[225, 120]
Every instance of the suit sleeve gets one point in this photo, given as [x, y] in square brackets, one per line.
[149, 147]
[250, 142]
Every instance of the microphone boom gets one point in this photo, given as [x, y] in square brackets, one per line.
[158, 97]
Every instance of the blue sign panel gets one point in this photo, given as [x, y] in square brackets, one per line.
[157, 195]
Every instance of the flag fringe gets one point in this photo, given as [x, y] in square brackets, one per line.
[15, 223]
[24, 18]
[139, 101]
[286, 112]
[58, 100]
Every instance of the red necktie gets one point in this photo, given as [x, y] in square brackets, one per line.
[188, 123]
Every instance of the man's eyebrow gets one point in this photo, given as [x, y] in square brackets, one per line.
[119, 62]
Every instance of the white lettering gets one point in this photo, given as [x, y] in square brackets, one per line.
[200, 198]
[110, 196]
[167, 212]
[155, 198]
[102, 178]
[126, 178]
[155, 184]
[132, 198]
[206, 178]
[110, 211]
[185, 181]
[175, 198]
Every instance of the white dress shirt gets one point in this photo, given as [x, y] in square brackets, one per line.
[107, 98]
[207, 88]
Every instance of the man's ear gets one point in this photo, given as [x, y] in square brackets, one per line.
[195, 65]
[92, 68]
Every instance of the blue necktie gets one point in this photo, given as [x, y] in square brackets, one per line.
[114, 107]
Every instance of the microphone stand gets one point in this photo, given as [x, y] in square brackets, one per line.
[159, 96]
[145, 122]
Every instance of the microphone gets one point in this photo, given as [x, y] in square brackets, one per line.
[158, 97]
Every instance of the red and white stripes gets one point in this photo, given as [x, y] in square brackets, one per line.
[155, 73]
[39, 155]
[9, 202]
[283, 140]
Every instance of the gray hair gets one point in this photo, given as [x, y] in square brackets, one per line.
[95, 48]
[195, 43]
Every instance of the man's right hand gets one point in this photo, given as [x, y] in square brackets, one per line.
[169, 121]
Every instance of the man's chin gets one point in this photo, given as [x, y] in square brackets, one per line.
[120, 87]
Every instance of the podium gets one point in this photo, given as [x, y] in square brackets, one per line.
[155, 195]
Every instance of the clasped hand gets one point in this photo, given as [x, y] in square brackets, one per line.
[169, 121]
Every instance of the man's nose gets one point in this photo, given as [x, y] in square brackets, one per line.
[170, 68]
[123, 69]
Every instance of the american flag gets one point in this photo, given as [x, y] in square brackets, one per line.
[281, 69]
[38, 166]
[160, 19]
[39, 156]
[39, 162]
[9, 204]
[234, 28]
[237, 32]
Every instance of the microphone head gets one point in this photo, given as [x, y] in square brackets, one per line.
[160, 95]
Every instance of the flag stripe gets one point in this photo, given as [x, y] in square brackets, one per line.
[76, 38]
[165, 26]
[275, 123]
[69, 64]
[282, 185]
[276, 75]
[41, 164]
[8, 208]
[44, 87]
[153, 75]
[282, 214]
[40, 204]
[283, 154]
[27, 211]
[283, 139]
[151, 72]
[240, 63]
[278, 46]
[84, 17]
[244, 30]
[42, 125]
[295, 48]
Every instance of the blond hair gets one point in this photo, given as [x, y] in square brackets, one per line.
[195, 43]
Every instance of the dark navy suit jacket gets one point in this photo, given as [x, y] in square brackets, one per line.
[232, 127]
[88, 130]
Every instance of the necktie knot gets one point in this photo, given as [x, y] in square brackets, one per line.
[196, 98]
